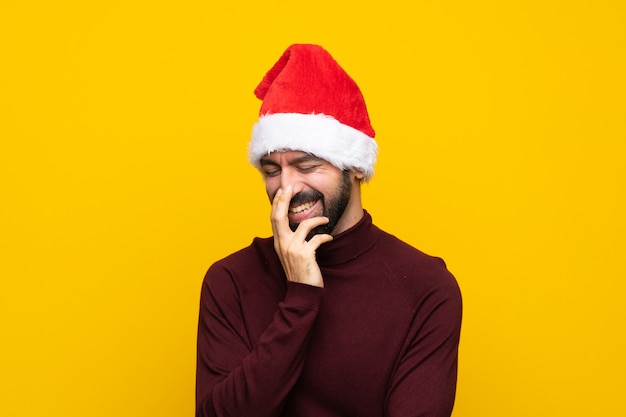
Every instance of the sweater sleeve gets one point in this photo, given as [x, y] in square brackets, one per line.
[424, 381]
[239, 377]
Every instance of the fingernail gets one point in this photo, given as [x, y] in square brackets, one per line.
[278, 192]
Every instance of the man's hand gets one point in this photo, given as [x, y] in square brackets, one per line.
[296, 254]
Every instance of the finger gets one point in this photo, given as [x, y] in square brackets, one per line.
[280, 207]
[305, 228]
[318, 240]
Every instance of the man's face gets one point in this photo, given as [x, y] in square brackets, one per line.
[319, 188]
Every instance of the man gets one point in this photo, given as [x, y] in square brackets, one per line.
[331, 316]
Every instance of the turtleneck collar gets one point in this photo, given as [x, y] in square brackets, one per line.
[350, 243]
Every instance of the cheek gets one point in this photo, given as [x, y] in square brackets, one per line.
[271, 186]
[327, 185]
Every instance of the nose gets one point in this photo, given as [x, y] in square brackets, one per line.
[286, 178]
[289, 177]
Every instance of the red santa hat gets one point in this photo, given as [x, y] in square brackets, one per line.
[311, 104]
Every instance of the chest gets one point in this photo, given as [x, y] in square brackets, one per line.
[354, 345]
[358, 335]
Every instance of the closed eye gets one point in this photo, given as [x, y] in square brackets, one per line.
[270, 171]
[305, 168]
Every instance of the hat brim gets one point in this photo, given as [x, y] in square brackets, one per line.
[318, 134]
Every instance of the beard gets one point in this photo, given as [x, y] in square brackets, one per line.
[333, 208]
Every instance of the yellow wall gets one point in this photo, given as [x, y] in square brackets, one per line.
[123, 129]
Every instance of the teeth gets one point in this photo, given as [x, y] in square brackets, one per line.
[301, 207]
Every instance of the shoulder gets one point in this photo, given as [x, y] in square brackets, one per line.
[256, 260]
[415, 272]
[406, 257]
[253, 255]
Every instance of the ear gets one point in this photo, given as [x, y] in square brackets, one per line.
[358, 174]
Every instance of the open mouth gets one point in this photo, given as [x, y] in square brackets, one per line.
[300, 208]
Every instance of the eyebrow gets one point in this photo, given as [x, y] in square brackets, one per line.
[267, 161]
[304, 158]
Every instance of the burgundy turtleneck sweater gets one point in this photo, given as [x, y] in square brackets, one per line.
[380, 339]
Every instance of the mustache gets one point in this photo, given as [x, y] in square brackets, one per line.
[305, 196]
[302, 197]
